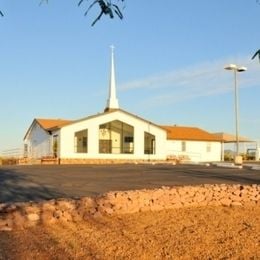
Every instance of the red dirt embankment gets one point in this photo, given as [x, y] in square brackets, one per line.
[202, 222]
[186, 233]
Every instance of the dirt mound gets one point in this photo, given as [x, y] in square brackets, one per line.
[200, 233]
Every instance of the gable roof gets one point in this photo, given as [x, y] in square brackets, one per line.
[173, 132]
[52, 124]
[189, 133]
[48, 124]
[135, 116]
[109, 111]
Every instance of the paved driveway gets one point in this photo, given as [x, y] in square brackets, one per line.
[24, 183]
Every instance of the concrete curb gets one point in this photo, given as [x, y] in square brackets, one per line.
[228, 165]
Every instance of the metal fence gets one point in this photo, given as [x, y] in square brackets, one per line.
[12, 153]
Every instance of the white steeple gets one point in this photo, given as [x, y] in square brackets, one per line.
[112, 102]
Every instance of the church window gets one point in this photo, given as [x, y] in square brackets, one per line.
[208, 148]
[81, 141]
[149, 143]
[116, 137]
[183, 146]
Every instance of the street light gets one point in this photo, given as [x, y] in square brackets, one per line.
[236, 69]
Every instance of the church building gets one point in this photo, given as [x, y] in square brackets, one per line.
[116, 135]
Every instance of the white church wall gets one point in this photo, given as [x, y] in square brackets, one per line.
[197, 151]
[38, 143]
[67, 145]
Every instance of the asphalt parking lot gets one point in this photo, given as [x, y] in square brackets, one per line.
[35, 183]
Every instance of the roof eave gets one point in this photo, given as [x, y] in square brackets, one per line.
[190, 139]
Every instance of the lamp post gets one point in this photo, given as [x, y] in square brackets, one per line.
[236, 69]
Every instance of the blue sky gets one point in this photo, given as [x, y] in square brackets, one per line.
[169, 63]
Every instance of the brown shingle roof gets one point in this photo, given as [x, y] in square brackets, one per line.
[189, 133]
[52, 123]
